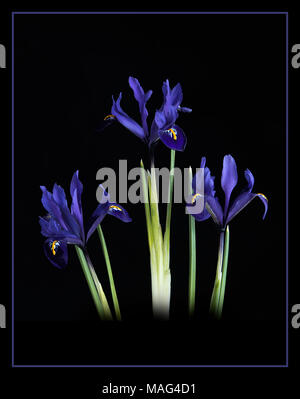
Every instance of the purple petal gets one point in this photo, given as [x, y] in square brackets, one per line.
[57, 253]
[52, 207]
[229, 178]
[214, 208]
[51, 229]
[119, 212]
[242, 201]
[196, 207]
[69, 220]
[107, 121]
[76, 188]
[173, 138]
[176, 95]
[142, 99]
[184, 109]
[250, 180]
[98, 214]
[208, 180]
[125, 120]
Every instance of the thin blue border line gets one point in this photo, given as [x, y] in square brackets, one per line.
[287, 181]
[12, 191]
[287, 189]
[153, 12]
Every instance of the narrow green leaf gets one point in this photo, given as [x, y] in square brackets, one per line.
[192, 253]
[110, 273]
[224, 274]
[94, 285]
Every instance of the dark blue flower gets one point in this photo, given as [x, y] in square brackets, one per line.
[163, 126]
[64, 226]
[223, 215]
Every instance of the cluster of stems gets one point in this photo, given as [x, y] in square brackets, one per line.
[94, 284]
[159, 243]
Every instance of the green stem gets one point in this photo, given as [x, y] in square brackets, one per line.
[146, 203]
[192, 260]
[92, 283]
[110, 274]
[224, 274]
[216, 291]
[170, 198]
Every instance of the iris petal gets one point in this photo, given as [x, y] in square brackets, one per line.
[99, 213]
[174, 138]
[242, 201]
[229, 178]
[125, 120]
[119, 212]
[214, 208]
[142, 99]
[76, 188]
[57, 253]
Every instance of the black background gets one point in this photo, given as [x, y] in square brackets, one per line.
[232, 70]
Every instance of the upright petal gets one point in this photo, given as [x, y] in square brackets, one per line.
[229, 179]
[125, 120]
[52, 207]
[174, 138]
[119, 212]
[57, 253]
[208, 180]
[142, 99]
[76, 188]
[70, 221]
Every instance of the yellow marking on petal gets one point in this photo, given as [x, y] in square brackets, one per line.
[115, 207]
[174, 133]
[263, 196]
[109, 116]
[195, 196]
[53, 247]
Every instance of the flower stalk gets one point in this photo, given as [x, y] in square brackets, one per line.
[110, 273]
[94, 284]
[217, 298]
[159, 244]
[192, 254]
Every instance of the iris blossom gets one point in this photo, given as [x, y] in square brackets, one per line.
[163, 126]
[64, 226]
[222, 216]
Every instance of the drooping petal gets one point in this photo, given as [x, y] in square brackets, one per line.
[229, 179]
[242, 201]
[125, 120]
[119, 212]
[98, 214]
[196, 207]
[214, 208]
[174, 138]
[107, 121]
[142, 99]
[57, 253]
